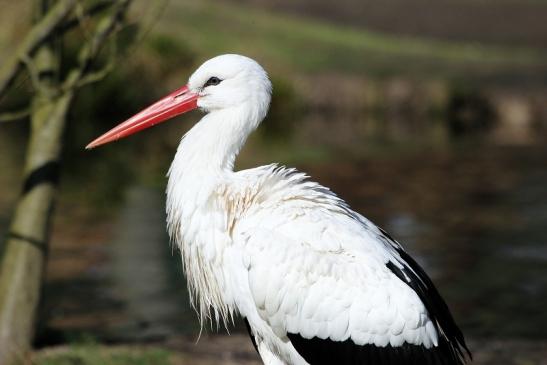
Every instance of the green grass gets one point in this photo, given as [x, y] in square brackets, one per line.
[93, 354]
[297, 44]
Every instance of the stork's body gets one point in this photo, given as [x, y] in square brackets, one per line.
[316, 282]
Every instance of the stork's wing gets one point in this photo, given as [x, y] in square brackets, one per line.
[338, 287]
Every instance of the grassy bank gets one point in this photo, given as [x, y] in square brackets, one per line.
[297, 44]
[92, 354]
[506, 352]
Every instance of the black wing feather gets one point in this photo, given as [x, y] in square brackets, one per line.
[451, 337]
[318, 351]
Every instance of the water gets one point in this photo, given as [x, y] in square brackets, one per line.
[475, 219]
[473, 216]
[146, 275]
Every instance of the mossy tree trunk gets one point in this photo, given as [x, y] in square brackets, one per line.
[25, 251]
[22, 267]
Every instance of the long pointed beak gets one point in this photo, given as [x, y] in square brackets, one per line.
[178, 102]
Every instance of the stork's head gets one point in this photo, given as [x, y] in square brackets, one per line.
[228, 81]
[224, 82]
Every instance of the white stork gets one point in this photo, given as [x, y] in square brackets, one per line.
[316, 282]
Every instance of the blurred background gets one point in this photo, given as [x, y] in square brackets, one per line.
[428, 117]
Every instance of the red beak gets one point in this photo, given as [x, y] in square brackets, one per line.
[178, 102]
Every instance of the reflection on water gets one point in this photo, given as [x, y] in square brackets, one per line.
[145, 274]
[475, 219]
[134, 292]
[473, 216]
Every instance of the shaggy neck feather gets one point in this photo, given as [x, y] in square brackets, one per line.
[205, 158]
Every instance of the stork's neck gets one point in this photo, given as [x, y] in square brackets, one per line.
[209, 149]
[204, 159]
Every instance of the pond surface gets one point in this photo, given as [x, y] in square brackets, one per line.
[475, 217]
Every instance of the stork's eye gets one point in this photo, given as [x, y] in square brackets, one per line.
[212, 81]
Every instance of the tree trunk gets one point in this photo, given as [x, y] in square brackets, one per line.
[23, 262]
[25, 251]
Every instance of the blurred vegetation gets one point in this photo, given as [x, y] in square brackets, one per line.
[294, 49]
[286, 107]
[468, 111]
[503, 22]
[299, 44]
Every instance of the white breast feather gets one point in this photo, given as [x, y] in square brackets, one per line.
[310, 265]
[318, 269]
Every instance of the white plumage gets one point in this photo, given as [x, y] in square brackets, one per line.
[315, 281]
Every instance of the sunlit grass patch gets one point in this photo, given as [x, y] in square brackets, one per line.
[94, 354]
[309, 45]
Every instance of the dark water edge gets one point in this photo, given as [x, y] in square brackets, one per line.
[474, 218]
